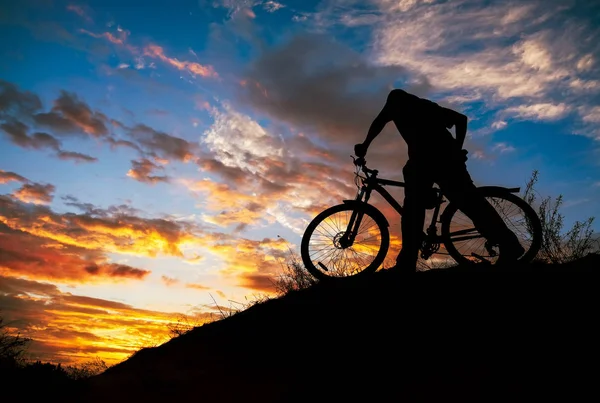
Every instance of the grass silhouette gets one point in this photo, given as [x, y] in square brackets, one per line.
[501, 334]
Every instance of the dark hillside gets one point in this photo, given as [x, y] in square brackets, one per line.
[516, 334]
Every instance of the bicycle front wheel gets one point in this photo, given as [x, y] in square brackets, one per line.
[467, 246]
[325, 257]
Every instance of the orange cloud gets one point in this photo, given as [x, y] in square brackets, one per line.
[108, 36]
[195, 259]
[201, 104]
[249, 13]
[106, 230]
[6, 176]
[71, 247]
[35, 193]
[197, 286]
[70, 115]
[252, 263]
[72, 328]
[161, 145]
[142, 170]
[234, 207]
[75, 156]
[169, 281]
[230, 174]
[79, 11]
[26, 255]
[156, 51]
[243, 205]
[258, 282]
[17, 133]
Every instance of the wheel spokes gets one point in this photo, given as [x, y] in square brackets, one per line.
[473, 246]
[327, 252]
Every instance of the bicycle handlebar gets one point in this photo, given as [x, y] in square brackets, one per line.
[360, 162]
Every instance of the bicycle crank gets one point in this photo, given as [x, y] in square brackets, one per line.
[428, 249]
[490, 249]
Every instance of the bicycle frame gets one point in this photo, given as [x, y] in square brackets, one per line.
[430, 239]
[373, 183]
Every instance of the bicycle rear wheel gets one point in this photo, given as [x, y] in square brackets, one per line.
[323, 255]
[467, 246]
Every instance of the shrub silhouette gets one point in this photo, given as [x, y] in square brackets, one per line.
[12, 347]
[293, 276]
[86, 369]
[45, 379]
[558, 245]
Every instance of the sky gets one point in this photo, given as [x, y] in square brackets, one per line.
[160, 159]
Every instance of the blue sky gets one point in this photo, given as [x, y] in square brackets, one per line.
[167, 155]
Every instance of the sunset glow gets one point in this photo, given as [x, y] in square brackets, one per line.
[160, 162]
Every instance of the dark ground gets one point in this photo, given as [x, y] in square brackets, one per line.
[508, 334]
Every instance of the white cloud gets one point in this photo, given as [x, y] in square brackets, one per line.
[591, 115]
[499, 124]
[503, 148]
[354, 20]
[478, 155]
[405, 5]
[239, 141]
[272, 6]
[140, 63]
[430, 40]
[586, 62]
[584, 85]
[272, 183]
[519, 55]
[534, 54]
[402, 5]
[542, 111]
[300, 17]
[590, 118]
[236, 6]
[462, 98]
[281, 211]
[516, 14]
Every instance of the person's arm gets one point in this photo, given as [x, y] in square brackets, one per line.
[376, 127]
[458, 120]
[461, 129]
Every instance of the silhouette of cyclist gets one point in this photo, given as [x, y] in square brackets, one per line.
[435, 156]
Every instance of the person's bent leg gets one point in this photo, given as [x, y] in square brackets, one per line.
[413, 217]
[460, 190]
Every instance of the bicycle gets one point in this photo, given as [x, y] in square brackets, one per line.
[352, 239]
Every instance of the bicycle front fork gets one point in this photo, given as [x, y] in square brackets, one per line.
[349, 236]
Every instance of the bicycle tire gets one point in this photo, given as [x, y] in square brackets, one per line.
[533, 221]
[368, 210]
